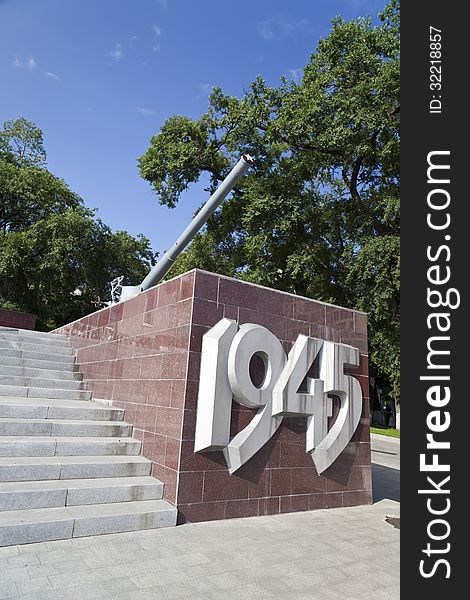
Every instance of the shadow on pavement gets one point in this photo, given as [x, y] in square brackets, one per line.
[385, 483]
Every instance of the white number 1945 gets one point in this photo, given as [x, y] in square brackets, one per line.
[286, 390]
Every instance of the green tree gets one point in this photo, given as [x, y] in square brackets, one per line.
[56, 256]
[318, 214]
[21, 141]
[28, 191]
[29, 194]
[58, 266]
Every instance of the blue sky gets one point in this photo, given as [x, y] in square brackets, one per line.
[100, 77]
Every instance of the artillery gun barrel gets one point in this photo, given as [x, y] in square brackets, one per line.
[166, 262]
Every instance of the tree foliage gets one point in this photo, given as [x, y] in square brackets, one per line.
[29, 194]
[22, 142]
[318, 215]
[56, 256]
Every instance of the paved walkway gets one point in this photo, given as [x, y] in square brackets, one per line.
[385, 468]
[337, 554]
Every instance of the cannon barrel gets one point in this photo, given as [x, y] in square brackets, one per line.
[166, 262]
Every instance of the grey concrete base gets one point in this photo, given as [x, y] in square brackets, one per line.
[26, 526]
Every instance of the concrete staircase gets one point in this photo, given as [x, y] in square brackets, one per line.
[68, 466]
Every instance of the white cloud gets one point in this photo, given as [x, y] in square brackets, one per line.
[282, 27]
[51, 75]
[32, 65]
[266, 31]
[162, 4]
[116, 53]
[147, 112]
[132, 41]
[157, 32]
[29, 64]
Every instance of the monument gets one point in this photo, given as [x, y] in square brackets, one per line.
[248, 400]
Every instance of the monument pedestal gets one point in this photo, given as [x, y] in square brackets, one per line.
[144, 356]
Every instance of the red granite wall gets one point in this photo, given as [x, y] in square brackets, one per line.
[144, 355]
[19, 320]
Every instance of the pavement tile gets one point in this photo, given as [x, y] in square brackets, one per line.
[36, 571]
[50, 595]
[27, 586]
[8, 551]
[15, 574]
[251, 591]
[386, 593]
[70, 580]
[52, 555]
[8, 589]
[21, 560]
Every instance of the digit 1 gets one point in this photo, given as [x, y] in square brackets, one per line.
[214, 401]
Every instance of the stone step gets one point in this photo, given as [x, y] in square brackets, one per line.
[62, 384]
[32, 332]
[21, 371]
[39, 364]
[67, 446]
[63, 428]
[48, 408]
[75, 492]
[65, 384]
[44, 524]
[64, 350]
[37, 392]
[45, 341]
[72, 467]
[68, 467]
[36, 355]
